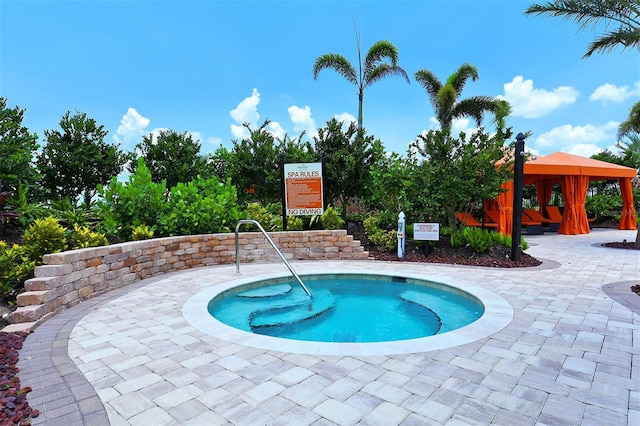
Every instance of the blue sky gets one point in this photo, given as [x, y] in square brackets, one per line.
[207, 66]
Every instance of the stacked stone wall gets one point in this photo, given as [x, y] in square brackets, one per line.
[67, 278]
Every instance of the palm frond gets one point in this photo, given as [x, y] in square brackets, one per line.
[385, 70]
[631, 125]
[338, 63]
[476, 107]
[607, 42]
[430, 83]
[625, 14]
[459, 78]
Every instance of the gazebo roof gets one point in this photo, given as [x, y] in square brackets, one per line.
[562, 164]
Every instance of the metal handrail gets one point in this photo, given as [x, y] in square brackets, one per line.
[255, 222]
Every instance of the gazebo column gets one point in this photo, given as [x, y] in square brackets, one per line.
[628, 215]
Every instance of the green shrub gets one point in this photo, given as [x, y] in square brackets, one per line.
[128, 204]
[15, 269]
[607, 205]
[294, 223]
[457, 239]
[44, 236]
[377, 236]
[479, 239]
[202, 206]
[28, 211]
[501, 239]
[141, 232]
[331, 219]
[265, 217]
[83, 237]
[69, 214]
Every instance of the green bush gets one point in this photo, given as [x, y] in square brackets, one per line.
[265, 216]
[128, 204]
[457, 239]
[294, 223]
[141, 232]
[377, 236]
[479, 239]
[70, 215]
[331, 219]
[608, 205]
[83, 237]
[28, 211]
[44, 236]
[202, 206]
[15, 269]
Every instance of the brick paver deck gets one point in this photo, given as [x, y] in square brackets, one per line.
[569, 356]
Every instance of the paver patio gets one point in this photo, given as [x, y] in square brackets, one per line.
[570, 355]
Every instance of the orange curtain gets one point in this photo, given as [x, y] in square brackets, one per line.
[505, 208]
[574, 192]
[543, 190]
[628, 217]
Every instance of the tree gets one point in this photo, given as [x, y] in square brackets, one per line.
[374, 68]
[171, 156]
[349, 155]
[624, 17]
[17, 149]
[631, 126]
[76, 159]
[459, 174]
[394, 185]
[444, 97]
[621, 15]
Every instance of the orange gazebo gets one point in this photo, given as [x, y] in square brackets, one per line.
[573, 173]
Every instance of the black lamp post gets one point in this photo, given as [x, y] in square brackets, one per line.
[518, 182]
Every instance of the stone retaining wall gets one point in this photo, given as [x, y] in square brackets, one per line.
[67, 278]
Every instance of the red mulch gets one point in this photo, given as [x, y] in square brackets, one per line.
[14, 407]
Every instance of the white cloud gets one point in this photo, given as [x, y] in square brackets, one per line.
[245, 112]
[196, 136]
[276, 130]
[612, 93]
[528, 102]
[132, 128]
[584, 150]
[461, 125]
[302, 120]
[577, 139]
[346, 118]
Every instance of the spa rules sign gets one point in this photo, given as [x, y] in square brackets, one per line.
[303, 188]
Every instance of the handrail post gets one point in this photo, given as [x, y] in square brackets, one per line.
[255, 222]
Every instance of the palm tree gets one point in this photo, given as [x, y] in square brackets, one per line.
[444, 97]
[375, 67]
[620, 15]
[631, 125]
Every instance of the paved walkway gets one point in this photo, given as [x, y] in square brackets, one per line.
[569, 356]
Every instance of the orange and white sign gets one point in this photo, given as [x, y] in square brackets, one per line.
[303, 189]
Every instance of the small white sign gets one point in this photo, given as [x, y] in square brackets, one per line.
[426, 231]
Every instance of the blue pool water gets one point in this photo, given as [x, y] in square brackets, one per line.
[346, 308]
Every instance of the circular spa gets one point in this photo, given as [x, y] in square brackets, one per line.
[346, 308]
[357, 313]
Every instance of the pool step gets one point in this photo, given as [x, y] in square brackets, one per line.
[270, 291]
[426, 301]
[291, 312]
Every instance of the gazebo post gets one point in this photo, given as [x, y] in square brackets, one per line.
[518, 182]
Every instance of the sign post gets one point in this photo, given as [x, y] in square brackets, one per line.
[303, 189]
[426, 232]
